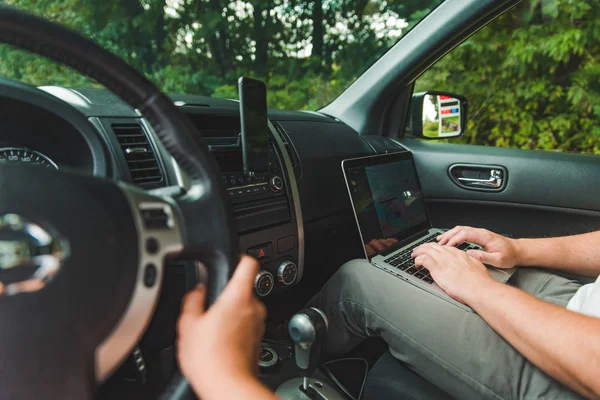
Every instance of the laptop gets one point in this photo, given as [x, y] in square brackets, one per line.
[392, 218]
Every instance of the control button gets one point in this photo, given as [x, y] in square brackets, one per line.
[287, 273]
[156, 218]
[150, 274]
[261, 252]
[285, 244]
[276, 184]
[232, 181]
[241, 180]
[152, 245]
[263, 283]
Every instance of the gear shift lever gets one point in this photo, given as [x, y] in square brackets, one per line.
[308, 330]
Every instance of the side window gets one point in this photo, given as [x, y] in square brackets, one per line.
[531, 78]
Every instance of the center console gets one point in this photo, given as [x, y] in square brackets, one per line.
[265, 204]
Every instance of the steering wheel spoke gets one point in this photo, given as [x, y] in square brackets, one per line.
[159, 233]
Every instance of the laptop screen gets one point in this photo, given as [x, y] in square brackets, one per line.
[387, 199]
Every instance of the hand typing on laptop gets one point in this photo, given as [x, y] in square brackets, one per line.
[452, 269]
[392, 220]
[458, 272]
[499, 251]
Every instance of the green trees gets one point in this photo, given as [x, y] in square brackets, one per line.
[307, 51]
[532, 77]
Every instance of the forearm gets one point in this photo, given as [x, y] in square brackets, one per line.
[564, 344]
[577, 254]
[245, 387]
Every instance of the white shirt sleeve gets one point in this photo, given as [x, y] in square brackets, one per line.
[587, 300]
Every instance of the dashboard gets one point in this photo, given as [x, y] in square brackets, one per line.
[292, 219]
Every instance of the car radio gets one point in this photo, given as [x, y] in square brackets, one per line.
[255, 186]
[258, 199]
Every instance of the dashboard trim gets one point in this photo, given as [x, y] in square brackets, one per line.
[293, 186]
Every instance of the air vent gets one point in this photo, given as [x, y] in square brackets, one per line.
[291, 150]
[139, 154]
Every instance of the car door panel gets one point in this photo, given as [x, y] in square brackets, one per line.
[546, 193]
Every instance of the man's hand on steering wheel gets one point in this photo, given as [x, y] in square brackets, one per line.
[225, 338]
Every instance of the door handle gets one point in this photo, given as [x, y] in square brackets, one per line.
[478, 177]
[494, 181]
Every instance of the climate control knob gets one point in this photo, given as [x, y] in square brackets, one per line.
[276, 183]
[287, 273]
[263, 283]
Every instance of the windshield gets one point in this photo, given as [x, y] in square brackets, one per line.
[307, 52]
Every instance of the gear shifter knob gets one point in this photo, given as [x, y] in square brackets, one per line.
[308, 330]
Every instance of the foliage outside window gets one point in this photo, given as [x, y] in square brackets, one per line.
[532, 78]
[308, 51]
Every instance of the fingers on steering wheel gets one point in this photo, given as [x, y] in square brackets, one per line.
[242, 281]
[242, 284]
[192, 306]
[193, 302]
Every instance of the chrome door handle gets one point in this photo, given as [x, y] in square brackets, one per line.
[481, 177]
[493, 182]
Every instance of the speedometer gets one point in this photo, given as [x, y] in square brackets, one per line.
[26, 156]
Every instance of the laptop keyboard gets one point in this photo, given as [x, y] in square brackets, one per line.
[404, 262]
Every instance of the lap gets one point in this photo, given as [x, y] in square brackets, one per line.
[443, 343]
[545, 285]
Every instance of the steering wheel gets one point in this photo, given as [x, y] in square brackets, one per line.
[73, 308]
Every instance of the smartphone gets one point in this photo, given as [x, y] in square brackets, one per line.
[255, 129]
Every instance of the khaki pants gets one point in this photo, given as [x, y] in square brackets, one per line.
[452, 348]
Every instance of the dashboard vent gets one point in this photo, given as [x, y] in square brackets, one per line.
[291, 150]
[139, 154]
